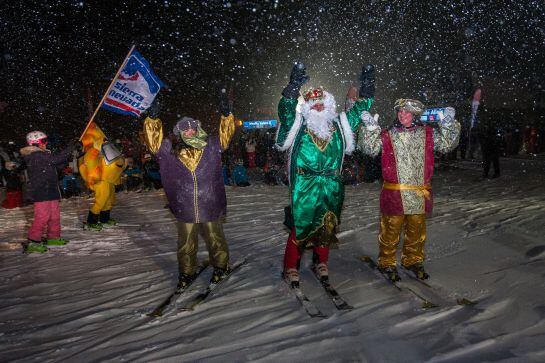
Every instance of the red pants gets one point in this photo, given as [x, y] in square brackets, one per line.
[293, 253]
[251, 160]
[46, 215]
[13, 200]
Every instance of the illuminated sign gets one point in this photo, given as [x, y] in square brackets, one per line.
[259, 124]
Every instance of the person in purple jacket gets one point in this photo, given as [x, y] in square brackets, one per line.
[44, 190]
[191, 173]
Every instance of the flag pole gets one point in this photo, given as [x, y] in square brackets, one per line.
[106, 93]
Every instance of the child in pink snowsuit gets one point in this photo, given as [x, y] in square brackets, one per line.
[44, 191]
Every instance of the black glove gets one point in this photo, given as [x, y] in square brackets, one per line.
[76, 141]
[72, 144]
[224, 107]
[298, 78]
[367, 78]
[154, 109]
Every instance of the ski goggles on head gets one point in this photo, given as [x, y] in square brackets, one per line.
[40, 142]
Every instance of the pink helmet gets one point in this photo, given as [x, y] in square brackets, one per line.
[36, 138]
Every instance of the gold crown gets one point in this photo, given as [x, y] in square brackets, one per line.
[314, 94]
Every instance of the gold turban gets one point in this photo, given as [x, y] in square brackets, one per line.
[413, 106]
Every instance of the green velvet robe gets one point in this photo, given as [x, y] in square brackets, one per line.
[316, 187]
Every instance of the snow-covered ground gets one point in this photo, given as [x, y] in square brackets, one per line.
[88, 301]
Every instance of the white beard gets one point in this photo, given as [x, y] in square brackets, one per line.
[320, 122]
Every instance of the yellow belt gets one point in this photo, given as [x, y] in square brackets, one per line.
[421, 190]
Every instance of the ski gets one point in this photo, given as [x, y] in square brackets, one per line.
[137, 227]
[130, 225]
[409, 274]
[426, 304]
[158, 311]
[201, 297]
[311, 309]
[333, 295]
[514, 266]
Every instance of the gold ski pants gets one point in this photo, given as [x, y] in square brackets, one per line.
[104, 197]
[414, 236]
[188, 242]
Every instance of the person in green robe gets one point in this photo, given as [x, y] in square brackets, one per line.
[316, 139]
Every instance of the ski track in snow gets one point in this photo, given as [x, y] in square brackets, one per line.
[88, 301]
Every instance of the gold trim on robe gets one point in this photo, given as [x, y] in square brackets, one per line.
[321, 144]
[191, 158]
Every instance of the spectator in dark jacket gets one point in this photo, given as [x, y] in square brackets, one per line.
[490, 140]
[70, 183]
[14, 186]
[4, 159]
[132, 176]
[152, 177]
[239, 176]
[44, 190]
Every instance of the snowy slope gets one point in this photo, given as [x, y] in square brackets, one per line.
[88, 301]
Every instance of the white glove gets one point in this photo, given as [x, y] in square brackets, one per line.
[369, 121]
[448, 115]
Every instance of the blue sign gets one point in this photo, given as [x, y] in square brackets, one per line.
[259, 124]
[431, 114]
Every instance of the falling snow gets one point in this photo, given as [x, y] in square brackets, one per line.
[53, 52]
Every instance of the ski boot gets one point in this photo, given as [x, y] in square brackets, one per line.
[390, 272]
[218, 274]
[321, 272]
[291, 275]
[56, 242]
[109, 224]
[97, 227]
[184, 280]
[93, 223]
[105, 220]
[33, 247]
[418, 270]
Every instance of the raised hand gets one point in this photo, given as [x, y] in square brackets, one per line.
[225, 105]
[298, 78]
[448, 115]
[367, 79]
[368, 120]
[154, 109]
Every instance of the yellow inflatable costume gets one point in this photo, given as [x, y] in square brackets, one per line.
[101, 167]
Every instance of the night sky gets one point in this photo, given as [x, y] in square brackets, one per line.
[57, 54]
